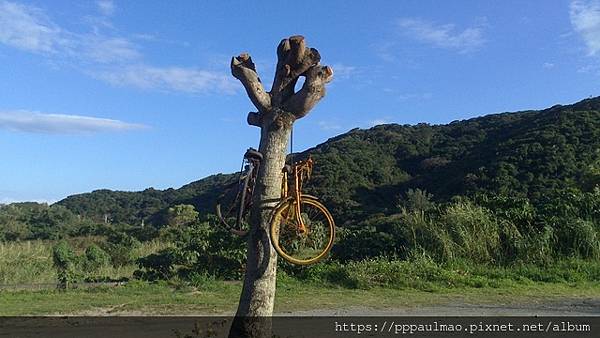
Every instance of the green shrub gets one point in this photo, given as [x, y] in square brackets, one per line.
[95, 258]
[539, 247]
[201, 248]
[65, 261]
[203, 281]
[331, 272]
[474, 231]
[425, 237]
[420, 273]
[159, 266]
[364, 243]
[417, 200]
[577, 237]
[120, 247]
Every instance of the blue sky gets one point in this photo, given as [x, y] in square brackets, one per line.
[134, 94]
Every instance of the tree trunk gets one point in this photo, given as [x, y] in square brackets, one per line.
[277, 111]
[258, 293]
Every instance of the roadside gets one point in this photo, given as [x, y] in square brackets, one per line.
[301, 299]
[562, 307]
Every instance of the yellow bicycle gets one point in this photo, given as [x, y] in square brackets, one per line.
[302, 229]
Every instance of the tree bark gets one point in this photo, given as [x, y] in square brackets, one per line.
[258, 292]
[277, 111]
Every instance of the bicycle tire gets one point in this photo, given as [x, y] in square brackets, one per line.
[227, 208]
[242, 210]
[283, 233]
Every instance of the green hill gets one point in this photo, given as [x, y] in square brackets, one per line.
[530, 154]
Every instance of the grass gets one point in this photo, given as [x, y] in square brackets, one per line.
[26, 262]
[424, 274]
[220, 298]
[378, 284]
[30, 262]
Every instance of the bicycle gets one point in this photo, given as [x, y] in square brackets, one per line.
[302, 229]
[234, 205]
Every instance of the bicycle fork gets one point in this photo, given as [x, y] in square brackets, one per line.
[297, 212]
[301, 227]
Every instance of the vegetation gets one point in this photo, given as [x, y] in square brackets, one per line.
[532, 155]
[64, 261]
[199, 250]
[475, 285]
[501, 200]
[28, 264]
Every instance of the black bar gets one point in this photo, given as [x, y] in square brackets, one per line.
[317, 327]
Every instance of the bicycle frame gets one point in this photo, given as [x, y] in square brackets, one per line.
[301, 171]
[242, 201]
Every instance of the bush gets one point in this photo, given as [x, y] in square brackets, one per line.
[331, 272]
[159, 266]
[417, 273]
[578, 237]
[95, 258]
[211, 249]
[424, 236]
[512, 242]
[201, 249]
[474, 231]
[119, 247]
[65, 261]
[364, 243]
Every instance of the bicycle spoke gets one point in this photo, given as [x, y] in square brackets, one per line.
[304, 247]
[233, 206]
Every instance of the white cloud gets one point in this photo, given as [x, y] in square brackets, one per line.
[585, 18]
[378, 122]
[27, 28]
[384, 50]
[34, 122]
[548, 65]
[403, 96]
[443, 36]
[106, 7]
[106, 50]
[342, 71]
[413, 96]
[9, 200]
[329, 125]
[589, 69]
[170, 79]
[110, 58]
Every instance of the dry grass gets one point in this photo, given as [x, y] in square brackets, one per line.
[30, 263]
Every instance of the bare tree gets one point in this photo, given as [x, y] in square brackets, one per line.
[277, 111]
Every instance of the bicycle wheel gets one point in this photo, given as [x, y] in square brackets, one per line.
[302, 247]
[245, 200]
[233, 206]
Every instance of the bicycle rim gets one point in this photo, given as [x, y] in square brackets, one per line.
[298, 247]
[244, 201]
[230, 210]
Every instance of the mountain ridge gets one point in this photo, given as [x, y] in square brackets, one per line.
[365, 171]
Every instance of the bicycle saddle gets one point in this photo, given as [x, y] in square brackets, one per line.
[253, 153]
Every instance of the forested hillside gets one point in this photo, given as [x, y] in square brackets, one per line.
[529, 154]
[500, 189]
[149, 205]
